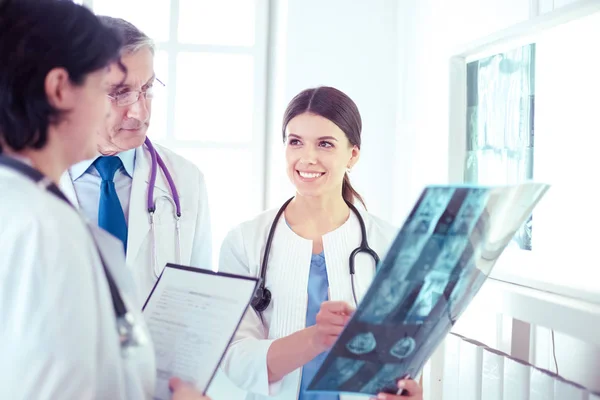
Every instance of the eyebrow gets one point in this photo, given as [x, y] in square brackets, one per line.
[118, 86]
[124, 85]
[331, 138]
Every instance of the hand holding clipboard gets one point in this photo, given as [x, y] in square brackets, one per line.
[192, 315]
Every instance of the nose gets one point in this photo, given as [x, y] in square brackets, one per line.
[308, 156]
[139, 110]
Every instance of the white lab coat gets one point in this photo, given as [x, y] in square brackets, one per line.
[287, 278]
[58, 327]
[196, 245]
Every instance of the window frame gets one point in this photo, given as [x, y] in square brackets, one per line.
[509, 268]
[257, 145]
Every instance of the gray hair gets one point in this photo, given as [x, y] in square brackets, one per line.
[133, 38]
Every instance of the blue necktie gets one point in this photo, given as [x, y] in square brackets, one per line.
[110, 213]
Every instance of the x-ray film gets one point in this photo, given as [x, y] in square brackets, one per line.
[436, 265]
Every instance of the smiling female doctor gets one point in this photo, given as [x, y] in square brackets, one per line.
[302, 252]
[70, 326]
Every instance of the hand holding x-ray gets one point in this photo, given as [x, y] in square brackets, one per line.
[331, 320]
[436, 265]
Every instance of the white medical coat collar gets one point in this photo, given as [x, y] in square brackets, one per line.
[127, 158]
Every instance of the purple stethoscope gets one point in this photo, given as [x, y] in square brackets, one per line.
[157, 161]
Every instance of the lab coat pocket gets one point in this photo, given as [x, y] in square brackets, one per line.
[173, 242]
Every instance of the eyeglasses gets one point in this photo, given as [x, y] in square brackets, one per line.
[132, 96]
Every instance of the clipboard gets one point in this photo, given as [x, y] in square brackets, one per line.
[192, 315]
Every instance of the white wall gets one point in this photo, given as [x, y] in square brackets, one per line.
[430, 32]
[348, 44]
[352, 46]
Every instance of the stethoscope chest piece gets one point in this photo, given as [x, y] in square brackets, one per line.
[131, 334]
[262, 299]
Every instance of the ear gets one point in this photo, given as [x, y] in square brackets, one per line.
[60, 91]
[354, 157]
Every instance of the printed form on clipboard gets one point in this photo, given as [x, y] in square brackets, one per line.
[192, 315]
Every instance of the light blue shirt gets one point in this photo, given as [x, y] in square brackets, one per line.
[318, 286]
[86, 181]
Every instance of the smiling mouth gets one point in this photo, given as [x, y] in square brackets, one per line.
[310, 175]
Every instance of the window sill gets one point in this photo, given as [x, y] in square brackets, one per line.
[531, 270]
[572, 316]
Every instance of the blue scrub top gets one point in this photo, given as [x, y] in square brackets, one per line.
[318, 286]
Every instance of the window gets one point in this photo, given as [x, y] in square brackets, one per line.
[212, 57]
[500, 110]
[541, 82]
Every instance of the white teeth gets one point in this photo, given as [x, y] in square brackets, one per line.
[310, 175]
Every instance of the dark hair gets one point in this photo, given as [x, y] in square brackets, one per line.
[37, 36]
[337, 107]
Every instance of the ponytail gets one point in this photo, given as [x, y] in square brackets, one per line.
[349, 193]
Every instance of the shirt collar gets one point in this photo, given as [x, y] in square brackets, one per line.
[127, 158]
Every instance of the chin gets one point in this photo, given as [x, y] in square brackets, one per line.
[137, 141]
[131, 139]
[303, 191]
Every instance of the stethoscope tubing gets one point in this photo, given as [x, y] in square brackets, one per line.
[157, 162]
[262, 298]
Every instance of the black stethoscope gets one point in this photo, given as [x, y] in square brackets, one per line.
[129, 335]
[262, 297]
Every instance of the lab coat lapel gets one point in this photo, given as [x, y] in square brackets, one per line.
[139, 219]
[109, 248]
[67, 187]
